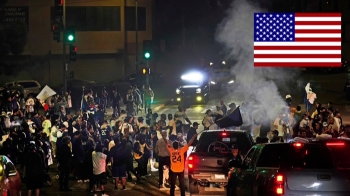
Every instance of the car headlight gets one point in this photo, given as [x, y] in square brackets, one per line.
[178, 91]
[230, 82]
[212, 82]
[198, 90]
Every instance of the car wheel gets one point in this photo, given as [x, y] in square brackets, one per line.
[194, 188]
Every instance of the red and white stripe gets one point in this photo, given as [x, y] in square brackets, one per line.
[317, 44]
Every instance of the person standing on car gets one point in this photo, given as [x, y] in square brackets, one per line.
[177, 164]
[234, 166]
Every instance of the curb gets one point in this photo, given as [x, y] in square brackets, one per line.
[162, 106]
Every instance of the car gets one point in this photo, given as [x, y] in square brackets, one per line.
[208, 162]
[140, 79]
[194, 88]
[30, 87]
[222, 79]
[10, 180]
[291, 169]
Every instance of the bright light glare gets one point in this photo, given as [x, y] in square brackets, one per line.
[198, 90]
[178, 99]
[230, 82]
[193, 77]
[70, 37]
[223, 62]
[178, 91]
[212, 82]
[199, 98]
[147, 55]
[211, 63]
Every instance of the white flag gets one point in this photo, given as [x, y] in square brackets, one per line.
[45, 93]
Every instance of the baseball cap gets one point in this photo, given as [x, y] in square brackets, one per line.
[234, 146]
[195, 124]
[275, 132]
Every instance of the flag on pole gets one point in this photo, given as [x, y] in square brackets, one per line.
[232, 119]
[43, 95]
[297, 39]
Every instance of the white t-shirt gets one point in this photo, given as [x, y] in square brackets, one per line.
[98, 162]
[182, 117]
[279, 126]
[125, 125]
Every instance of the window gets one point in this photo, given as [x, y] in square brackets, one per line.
[305, 157]
[28, 84]
[249, 158]
[238, 138]
[130, 22]
[93, 18]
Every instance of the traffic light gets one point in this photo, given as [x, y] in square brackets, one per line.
[56, 30]
[70, 35]
[58, 9]
[72, 53]
[147, 49]
[146, 71]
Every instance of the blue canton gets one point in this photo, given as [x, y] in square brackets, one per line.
[274, 27]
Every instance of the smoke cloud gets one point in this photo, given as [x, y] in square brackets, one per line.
[260, 85]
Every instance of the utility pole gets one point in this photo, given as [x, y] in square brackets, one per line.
[137, 37]
[65, 65]
[149, 72]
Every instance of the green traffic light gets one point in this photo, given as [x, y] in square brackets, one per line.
[70, 37]
[147, 55]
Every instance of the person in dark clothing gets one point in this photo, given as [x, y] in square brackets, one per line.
[129, 159]
[139, 151]
[118, 160]
[78, 156]
[88, 167]
[191, 132]
[276, 138]
[64, 157]
[34, 170]
[37, 123]
[234, 166]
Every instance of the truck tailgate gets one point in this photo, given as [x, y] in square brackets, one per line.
[317, 181]
[210, 163]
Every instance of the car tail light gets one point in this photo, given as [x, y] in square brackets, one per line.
[335, 144]
[224, 134]
[192, 160]
[279, 181]
[297, 144]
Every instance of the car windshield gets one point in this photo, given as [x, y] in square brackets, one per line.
[303, 157]
[227, 138]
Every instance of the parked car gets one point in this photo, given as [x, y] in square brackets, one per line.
[30, 87]
[10, 180]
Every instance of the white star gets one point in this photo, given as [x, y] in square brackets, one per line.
[257, 21]
[277, 33]
[264, 27]
[267, 24]
[287, 35]
[291, 27]
[277, 21]
[274, 30]
[260, 35]
[260, 18]
[257, 39]
[261, 30]
[270, 39]
[264, 38]
[281, 30]
[291, 15]
[287, 18]
[264, 15]
[277, 39]
[267, 18]
[281, 35]
[270, 21]
[284, 38]
[274, 24]
[274, 18]
[277, 27]
[267, 35]
[281, 24]
[270, 27]
[257, 15]
[290, 32]
[260, 24]
[284, 27]
[267, 30]
[270, 15]
[264, 21]
[287, 30]
[257, 33]
[284, 15]
[278, 15]
[291, 21]
[291, 39]
[281, 18]
[287, 24]
[257, 27]
[274, 35]
[264, 33]
[284, 21]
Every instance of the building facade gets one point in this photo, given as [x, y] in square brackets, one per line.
[105, 38]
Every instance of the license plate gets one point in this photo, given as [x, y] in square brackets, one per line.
[188, 96]
[219, 176]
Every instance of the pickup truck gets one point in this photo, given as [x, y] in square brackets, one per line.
[208, 162]
[291, 169]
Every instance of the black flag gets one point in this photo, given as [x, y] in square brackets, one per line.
[232, 119]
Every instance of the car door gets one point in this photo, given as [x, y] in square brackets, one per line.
[246, 176]
[14, 180]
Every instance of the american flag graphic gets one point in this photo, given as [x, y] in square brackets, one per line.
[297, 39]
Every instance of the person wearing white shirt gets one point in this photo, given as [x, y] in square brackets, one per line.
[53, 138]
[305, 122]
[208, 120]
[122, 116]
[99, 169]
[337, 121]
[181, 113]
